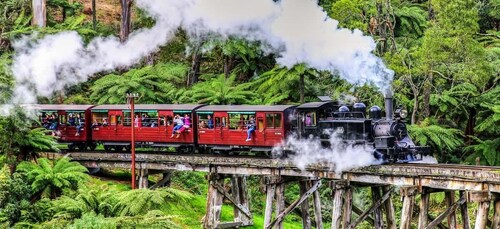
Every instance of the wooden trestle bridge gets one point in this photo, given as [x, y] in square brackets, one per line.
[479, 184]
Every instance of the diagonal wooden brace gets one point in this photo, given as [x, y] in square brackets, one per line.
[371, 209]
[230, 198]
[292, 206]
[446, 213]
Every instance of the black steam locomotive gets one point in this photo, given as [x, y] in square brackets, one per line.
[388, 136]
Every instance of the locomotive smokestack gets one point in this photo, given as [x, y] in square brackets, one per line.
[388, 104]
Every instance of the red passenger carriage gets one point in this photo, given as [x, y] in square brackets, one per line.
[112, 126]
[229, 130]
[65, 121]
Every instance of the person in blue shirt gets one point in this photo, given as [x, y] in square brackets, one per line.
[210, 122]
[251, 128]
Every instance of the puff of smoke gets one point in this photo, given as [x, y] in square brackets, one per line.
[298, 31]
[339, 157]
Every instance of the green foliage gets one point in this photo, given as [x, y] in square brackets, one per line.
[140, 201]
[19, 141]
[14, 197]
[353, 14]
[440, 138]
[220, 90]
[154, 84]
[410, 20]
[487, 151]
[48, 179]
[101, 201]
[6, 78]
[281, 84]
[93, 221]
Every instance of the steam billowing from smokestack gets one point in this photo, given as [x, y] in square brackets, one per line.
[297, 31]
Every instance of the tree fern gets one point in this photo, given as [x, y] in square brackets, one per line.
[440, 138]
[48, 179]
[140, 201]
[221, 90]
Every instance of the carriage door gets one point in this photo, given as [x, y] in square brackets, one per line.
[274, 128]
[220, 127]
[165, 123]
[116, 123]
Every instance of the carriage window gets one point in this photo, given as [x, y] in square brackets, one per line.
[162, 120]
[126, 119]
[238, 121]
[148, 119]
[170, 120]
[205, 121]
[273, 120]
[112, 120]
[118, 119]
[269, 120]
[217, 122]
[99, 117]
[62, 119]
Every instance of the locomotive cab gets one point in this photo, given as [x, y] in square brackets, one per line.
[311, 116]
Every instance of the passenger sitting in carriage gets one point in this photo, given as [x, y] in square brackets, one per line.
[187, 125]
[179, 123]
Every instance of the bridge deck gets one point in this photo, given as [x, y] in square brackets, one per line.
[439, 176]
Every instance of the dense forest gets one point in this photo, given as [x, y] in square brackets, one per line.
[445, 56]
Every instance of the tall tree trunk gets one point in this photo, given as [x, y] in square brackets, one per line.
[382, 28]
[126, 6]
[471, 123]
[94, 15]
[427, 97]
[302, 88]
[228, 65]
[39, 13]
[195, 68]
[63, 11]
[415, 109]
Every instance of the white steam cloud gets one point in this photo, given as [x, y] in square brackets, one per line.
[297, 31]
[338, 157]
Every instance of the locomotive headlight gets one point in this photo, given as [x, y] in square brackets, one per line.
[403, 113]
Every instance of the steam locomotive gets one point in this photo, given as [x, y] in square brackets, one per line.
[111, 126]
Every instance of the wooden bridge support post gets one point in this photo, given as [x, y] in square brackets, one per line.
[482, 215]
[280, 201]
[389, 209]
[346, 217]
[337, 193]
[143, 178]
[450, 199]
[317, 209]
[424, 209]
[496, 215]
[378, 222]
[214, 201]
[408, 195]
[464, 212]
[240, 197]
[304, 207]
[270, 192]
